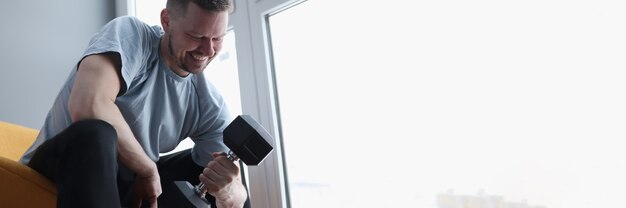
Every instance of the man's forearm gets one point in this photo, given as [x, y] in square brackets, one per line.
[236, 198]
[130, 152]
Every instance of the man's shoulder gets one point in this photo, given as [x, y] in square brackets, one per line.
[133, 23]
[127, 18]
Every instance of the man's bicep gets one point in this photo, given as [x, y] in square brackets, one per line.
[97, 81]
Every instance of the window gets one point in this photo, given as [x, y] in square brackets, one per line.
[452, 104]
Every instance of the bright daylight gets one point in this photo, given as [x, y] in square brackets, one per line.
[453, 104]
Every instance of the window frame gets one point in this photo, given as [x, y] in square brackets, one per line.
[258, 95]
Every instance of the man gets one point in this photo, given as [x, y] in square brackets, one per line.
[137, 92]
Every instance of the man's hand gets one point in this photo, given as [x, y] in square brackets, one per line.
[147, 187]
[222, 179]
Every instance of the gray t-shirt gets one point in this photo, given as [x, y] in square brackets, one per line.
[160, 107]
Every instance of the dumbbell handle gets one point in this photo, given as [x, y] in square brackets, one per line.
[199, 189]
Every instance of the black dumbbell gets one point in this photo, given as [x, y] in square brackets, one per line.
[247, 141]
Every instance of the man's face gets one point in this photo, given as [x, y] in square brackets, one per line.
[193, 39]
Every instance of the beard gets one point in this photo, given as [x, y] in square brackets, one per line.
[180, 63]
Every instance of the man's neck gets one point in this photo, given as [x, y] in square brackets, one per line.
[169, 58]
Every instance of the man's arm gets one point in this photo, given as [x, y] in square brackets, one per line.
[97, 84]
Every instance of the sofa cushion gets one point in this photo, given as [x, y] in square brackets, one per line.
[15, 140]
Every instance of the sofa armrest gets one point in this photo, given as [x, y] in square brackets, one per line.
[24, 187]
[15, 140]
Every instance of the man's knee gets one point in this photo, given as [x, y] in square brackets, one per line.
[94, 133]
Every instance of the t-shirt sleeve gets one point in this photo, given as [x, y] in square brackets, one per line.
[208, 137]
[130, 38]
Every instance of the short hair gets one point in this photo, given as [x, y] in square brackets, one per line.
[179, 7]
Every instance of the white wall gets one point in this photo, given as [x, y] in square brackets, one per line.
[41, 40]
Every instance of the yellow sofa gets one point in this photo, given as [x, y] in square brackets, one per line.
[21, 186]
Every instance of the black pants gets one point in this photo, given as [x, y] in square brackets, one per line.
[82, 161]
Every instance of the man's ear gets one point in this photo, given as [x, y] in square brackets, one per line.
[165, 20]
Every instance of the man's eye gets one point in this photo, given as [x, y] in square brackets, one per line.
[195, 37]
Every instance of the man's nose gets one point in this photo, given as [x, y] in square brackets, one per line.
[206, 47]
